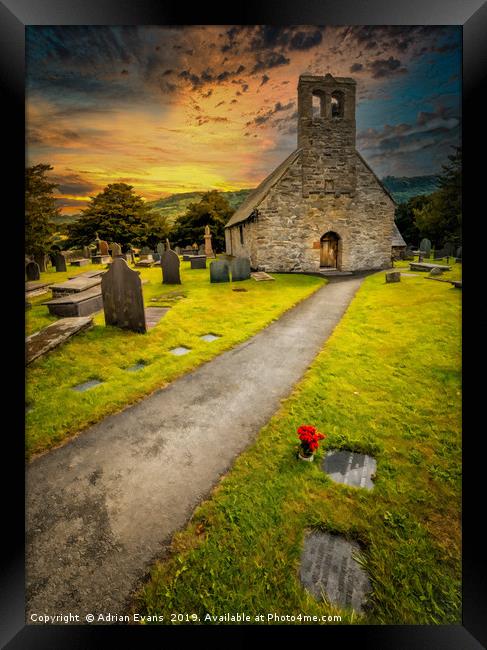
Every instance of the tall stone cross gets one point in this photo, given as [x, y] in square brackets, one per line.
[208, 247]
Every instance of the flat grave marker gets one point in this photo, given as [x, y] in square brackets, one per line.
[329, 568]
[80, 388]
[350, 468]
[80, 262]
[153, 315]
[76, 285]
[82, 303]
[209, 337]
[179, 351]
[53, 335]
[259, 276]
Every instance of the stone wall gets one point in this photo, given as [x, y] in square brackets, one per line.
[285, 235]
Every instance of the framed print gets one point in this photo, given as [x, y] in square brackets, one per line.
[275, 442]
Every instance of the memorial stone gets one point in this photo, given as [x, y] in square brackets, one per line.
[240, 269]
[123, 301]
[60, 263]
[32, 271]
[219, 271]
[170, 268]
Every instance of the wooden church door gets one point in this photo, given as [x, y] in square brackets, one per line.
[329, 250]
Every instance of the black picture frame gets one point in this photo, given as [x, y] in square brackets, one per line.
[14, 16]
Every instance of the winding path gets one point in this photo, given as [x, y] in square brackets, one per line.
[101, 508]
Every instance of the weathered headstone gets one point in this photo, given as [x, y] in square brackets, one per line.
[198, 261]
[240, 269]
[219, 271]
[425, 246]
[104, 247]
[436, 271]
[32, 271]
[123, 301]
[60, 262]
[208, 246]
[160, 249]
[394, 276]
[170, 268]
[116, 250]
[201, 250]
[86, 252]
[145, 254]
[350, 468]
[449, 249]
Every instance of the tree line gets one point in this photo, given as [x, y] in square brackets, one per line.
[119, 215]
[116, 214]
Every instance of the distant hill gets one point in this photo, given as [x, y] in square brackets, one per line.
[175, 205]
[404, 188]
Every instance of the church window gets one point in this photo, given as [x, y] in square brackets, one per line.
[318, 105]
[241, 235]
[337, 104]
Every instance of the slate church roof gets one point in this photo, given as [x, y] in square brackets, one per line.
[397, 239]
[259, 194]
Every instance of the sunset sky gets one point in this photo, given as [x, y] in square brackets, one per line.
[177, 109]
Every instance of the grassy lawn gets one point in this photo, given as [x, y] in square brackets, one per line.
[197, 307]
[387, 383]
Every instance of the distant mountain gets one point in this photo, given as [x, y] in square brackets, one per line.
[403, 188]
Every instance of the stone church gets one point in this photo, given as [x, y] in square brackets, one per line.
[323, 209]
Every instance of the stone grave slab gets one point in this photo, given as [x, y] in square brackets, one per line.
[187, 257]
[101, 259]
[198, 261]
[88, 274]
[219, 271]
[135, 367]
[240, 269]
[350, 468]
[87, 385]
[209, 337]
[409, 275]
[53, 335]
[81, 262]
[82, 303]
[170, 264]
[76, 285]
[328, 568]
[261, 275]
[145, 264]
[423, 266]
[179, 351]
[457, 284]
[36, 289]
[153, 315]
[123, 302]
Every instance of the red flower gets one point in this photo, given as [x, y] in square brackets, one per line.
[310, 438]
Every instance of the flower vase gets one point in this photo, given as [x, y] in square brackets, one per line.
[306, 458]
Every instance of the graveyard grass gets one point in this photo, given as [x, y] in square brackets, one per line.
[55, 411]
[387, 383]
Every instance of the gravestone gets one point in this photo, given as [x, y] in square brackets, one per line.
[82, 303]
[116, 250]
[449, 249]
[81, 262]
[32, 271]
[168, 244]
[425, 246]
[187, 257]
[208, 246]
[240, 269]
[170, 268]
[160, 249]
[394, 276]
[350, 468]
[198, 261]
[328, 567]
[123, 301]
[60, 263]
[86, 252]
[201, 250]
[104, 247]
[145, 254]
[219, 271]
[459, 252]
[177, 250]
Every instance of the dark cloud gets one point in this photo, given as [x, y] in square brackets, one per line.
[267, 37]
[264, 117]
[270, 60]
[356, 67]
[386, 67]
[204, 119]
[305, 40]
[73, 184]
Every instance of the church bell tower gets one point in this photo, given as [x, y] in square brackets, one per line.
[326, 134]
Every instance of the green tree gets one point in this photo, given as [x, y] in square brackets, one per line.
[405, 218]
[117, 214]
[213, 210]
[40, 209]
[440, 219]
